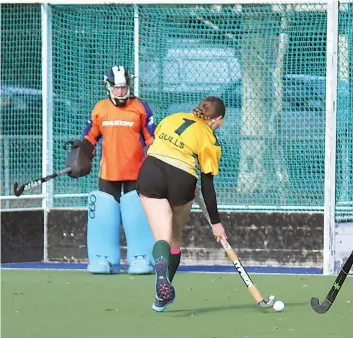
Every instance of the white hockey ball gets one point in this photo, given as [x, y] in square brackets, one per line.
[278, 306]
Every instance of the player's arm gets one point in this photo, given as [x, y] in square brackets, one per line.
[209, 156]
[209, 196]
[92, 131]
[148, 127]
[83, 150]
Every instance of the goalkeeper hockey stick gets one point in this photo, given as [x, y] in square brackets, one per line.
[336, 287]
[19, 189]
[255, 293]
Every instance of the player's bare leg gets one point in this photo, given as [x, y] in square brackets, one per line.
[160, 217]
[180, 217]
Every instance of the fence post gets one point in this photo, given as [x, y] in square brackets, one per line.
[136, 50]
[330, 137]
[7, 178]
[47, 103]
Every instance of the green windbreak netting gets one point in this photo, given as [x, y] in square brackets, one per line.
[87, 40]
[267, 62]
[20, 101]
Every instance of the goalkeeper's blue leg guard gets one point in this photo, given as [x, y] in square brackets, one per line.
[139, 238]
[103, 233]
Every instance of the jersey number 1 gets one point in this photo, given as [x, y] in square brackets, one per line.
[186, 124]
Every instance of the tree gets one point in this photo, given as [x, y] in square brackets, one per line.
[263, 50]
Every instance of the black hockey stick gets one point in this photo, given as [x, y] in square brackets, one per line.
[18, 190]
[336, 287]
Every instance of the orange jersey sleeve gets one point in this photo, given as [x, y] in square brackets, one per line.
[92, 132]
[147, 127]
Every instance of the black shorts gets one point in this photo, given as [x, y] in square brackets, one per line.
[114, 187]
[158, 179]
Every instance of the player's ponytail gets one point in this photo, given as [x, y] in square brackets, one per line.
[208, 112]
[199, 113]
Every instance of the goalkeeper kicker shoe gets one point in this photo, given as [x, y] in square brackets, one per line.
[140, 265]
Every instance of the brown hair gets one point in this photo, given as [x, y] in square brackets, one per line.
[210, 108]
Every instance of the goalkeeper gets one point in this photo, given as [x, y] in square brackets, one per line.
[125, 125]
[167, 182]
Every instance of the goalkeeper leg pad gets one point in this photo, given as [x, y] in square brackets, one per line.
[103, 233]
[139, 238]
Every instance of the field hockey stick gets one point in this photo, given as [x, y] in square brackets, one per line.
[336, 287]
[19, 189]
[264, 303]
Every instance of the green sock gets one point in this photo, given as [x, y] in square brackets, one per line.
[161, 249]
[173, 266]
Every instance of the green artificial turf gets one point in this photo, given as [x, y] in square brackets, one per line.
[65, 304]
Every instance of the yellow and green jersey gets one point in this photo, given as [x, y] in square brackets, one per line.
[184, 141]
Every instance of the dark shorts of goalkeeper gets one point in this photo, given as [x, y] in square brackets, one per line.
[158, 179]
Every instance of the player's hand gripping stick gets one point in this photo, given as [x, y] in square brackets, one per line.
[264, 303]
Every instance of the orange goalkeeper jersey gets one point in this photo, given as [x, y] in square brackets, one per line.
[124, 131]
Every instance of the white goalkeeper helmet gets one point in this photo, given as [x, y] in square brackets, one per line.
[117, 83]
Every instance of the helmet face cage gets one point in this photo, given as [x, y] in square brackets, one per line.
[117, 83]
